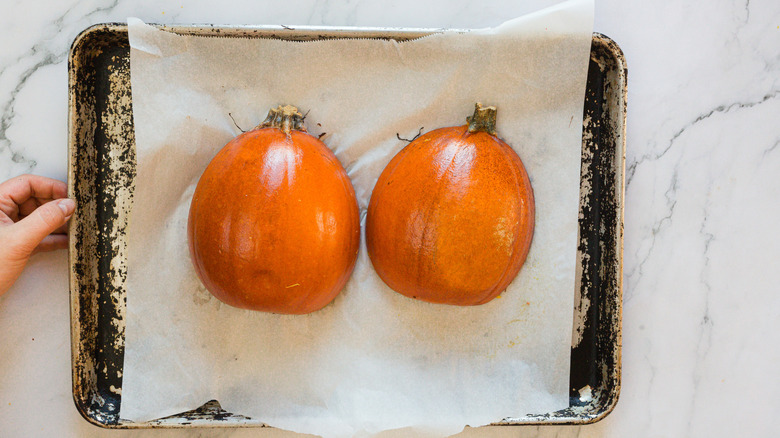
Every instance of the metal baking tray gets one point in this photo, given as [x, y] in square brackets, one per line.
[101, 168]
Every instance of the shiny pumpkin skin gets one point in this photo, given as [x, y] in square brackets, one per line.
[274, 223]
[451, 218]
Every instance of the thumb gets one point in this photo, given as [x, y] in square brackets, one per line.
[43, 221]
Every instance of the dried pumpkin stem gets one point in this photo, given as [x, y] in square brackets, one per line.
[483, 120]
[285, 117]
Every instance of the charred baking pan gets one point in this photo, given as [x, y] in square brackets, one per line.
[101, 169]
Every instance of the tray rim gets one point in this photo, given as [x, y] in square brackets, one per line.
[305, 33]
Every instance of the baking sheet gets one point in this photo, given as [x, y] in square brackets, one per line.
[415, 336]
[101, 169]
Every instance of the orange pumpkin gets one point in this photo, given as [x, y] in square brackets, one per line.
[274, 223]
[452, 215]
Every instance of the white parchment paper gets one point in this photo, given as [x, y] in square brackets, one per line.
[372, 360]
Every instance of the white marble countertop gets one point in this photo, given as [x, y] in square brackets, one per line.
[701, 321]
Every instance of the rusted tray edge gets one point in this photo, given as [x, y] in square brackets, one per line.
[604, 401]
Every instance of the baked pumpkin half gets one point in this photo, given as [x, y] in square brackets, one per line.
[451, 217]
[274, 223]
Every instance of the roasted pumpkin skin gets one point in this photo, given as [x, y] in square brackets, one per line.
[451, 217]
[274, 223]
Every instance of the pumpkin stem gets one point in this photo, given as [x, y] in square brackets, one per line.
[285, 117]
[484, 119]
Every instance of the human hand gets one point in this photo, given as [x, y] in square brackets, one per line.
[33, 214]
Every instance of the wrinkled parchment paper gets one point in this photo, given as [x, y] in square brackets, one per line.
[372, 360]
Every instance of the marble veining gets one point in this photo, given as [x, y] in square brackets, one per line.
[631, 168]
[701, 311]
[670, 192]
[28, 60]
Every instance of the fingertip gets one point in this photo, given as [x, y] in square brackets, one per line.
[59, 189]
[52, 242]
[43, 221]
[68, 206]
[26, 186]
